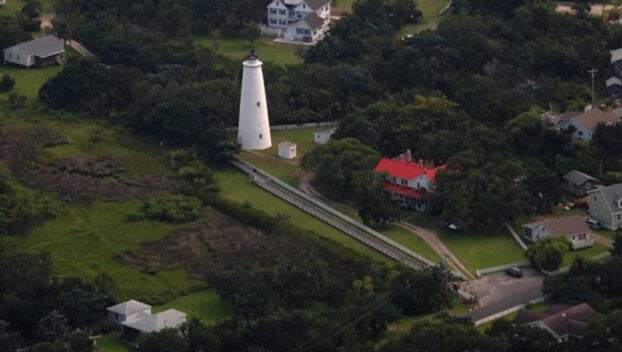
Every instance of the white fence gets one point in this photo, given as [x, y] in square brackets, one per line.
[249, 168]
[299, 126]
[516, 237]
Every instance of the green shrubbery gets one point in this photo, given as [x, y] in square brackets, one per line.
[21, 208]
[169, 208]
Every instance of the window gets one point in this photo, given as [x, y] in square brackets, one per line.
[272, 11]
[282, 12]
[18, 57]
[281, 21]
[580, 133]
[258, 104]
[260, 136]
[10, 55]
[404, 182]
[273, 20]
[594, 198]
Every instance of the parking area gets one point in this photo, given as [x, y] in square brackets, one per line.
[500, 291]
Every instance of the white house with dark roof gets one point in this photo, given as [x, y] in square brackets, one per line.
[39, 52]
[299, 20]
[605, 206]
[574, 228]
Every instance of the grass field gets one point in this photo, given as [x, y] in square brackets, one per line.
[411, 241]
[111, 343]
[237, 48]
[205, 306]
[235, 187]
[13, 6]
[85, 241]
[478, 250]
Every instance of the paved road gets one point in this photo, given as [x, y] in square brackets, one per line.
[498, 292]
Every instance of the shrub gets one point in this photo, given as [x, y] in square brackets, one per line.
[6, 83]
[169, 208]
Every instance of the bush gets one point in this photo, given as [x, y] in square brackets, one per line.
[547, 254]
[6, 83]
[169, 208]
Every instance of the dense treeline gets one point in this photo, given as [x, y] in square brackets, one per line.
[46, 313]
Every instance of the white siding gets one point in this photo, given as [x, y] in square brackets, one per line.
[14, 56]
[599, 210]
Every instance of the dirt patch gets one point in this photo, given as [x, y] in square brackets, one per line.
[210, 245]
[80, 176]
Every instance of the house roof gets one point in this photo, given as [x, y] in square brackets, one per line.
[611, 194]
[406, 191]
[561, 319]
[328, 132]
[563, 225]
[613, 81]
[129, 307]
[578, 178]
[616, 55]
[316, 4]
[406, 169]
[41, 47]
[171, 318]
[590, 119]
[313, 20]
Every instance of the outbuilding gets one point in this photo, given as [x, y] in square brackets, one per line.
[287, 150]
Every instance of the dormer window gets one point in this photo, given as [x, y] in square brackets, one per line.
[619, 203]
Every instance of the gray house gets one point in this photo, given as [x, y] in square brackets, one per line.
[605, 206]
[39, 52]
[573, 228]
[578, 183]
[564, 322]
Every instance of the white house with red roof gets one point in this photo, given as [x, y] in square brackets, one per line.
[410, 183]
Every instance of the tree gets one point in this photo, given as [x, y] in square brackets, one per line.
[344, 167]
[616, 251]
[166, 340]
[418, 292]
[547, 253]
[198, 337]
[28, 16]
[6, 84]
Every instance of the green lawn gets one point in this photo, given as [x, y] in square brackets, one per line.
[205, 306]
[585, 253]
[111, 343]
[13, 6]
[237, 48]
[235, 186]
[478, 250]
[430, 18]
[283, 170]
[86, 240]
[410, 241]
[29, 81]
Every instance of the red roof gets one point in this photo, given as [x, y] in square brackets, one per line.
[405, 169]
[406, 191]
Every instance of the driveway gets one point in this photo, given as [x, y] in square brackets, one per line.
[499, 291]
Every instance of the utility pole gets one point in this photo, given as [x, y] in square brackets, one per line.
[592, 72]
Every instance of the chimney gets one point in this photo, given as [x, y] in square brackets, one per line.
[421, 162]
[408, 155]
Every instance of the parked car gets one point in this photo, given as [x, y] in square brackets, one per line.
[514, 272]
[593, 224]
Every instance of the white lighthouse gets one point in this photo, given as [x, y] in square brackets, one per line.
[253, 124]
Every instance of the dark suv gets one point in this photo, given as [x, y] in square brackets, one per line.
[514, 272]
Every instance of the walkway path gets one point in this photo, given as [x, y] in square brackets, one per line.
[429, 237]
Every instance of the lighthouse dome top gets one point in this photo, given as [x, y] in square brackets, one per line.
[252, 60]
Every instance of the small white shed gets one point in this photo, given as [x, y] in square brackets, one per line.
[2, 2]
[287, 150]
[322, 137]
